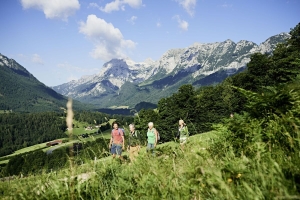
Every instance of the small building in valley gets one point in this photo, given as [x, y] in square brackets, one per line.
[53, 143]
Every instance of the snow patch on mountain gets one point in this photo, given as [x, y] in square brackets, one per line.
[199, 59]
[4, 60]
[169, 60]
[117, 82]
[97, 89]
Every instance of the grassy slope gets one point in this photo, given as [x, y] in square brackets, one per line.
[4, 162]
[76, 131]
[191, 173]
[84, 172]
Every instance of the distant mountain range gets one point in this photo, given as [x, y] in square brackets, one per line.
[21, 91]
[123, 82]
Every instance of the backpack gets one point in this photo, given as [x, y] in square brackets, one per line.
[119, 131]
[122, 129]
[135, 134]
[158, 136]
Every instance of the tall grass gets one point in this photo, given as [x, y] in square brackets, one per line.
[192, 173]
[244, 158]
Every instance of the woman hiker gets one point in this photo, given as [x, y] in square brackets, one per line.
[151, 138]
[183, 133]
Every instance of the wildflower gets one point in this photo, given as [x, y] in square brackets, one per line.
[229, 180]
[238, 175]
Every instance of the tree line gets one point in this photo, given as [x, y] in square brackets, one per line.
[20, 130]
[202, 107]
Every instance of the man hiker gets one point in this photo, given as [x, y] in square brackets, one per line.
[117, 141]
[134, 142]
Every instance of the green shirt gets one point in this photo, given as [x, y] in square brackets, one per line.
[183, 132]
[134, 138]
[151, 136]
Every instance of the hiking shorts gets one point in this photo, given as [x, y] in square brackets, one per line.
[151, 148]
[182, 140]
[116, 149]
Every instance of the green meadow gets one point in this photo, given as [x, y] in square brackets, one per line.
[244, 144]
[67, 141]
[194, 171]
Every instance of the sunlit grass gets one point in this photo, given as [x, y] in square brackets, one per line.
[4, 161]
[119, 107]
[68, 142]
[5, 111]
[175, 173]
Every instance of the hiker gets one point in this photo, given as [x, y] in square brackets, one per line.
[183, 132]
[117, 141]
[134, 142]
[151, 138]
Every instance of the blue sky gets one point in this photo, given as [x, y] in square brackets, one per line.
[61, 40]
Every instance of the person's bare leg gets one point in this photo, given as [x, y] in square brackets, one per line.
[121, 158]
[182, 146]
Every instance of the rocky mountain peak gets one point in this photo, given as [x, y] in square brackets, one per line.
[175, 67]
[13, 65]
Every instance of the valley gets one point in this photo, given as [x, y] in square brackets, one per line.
[243, 137]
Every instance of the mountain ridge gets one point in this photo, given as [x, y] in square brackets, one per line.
[175, 67]
[20, 91]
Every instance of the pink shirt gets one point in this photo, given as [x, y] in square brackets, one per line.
[117, 138]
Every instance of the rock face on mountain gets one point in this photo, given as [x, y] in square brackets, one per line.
[125, 82]
[8, 64]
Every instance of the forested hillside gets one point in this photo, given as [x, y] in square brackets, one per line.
[20, 91]
[22, 130]
[270, 76]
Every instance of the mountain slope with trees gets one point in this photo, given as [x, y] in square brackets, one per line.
[20, 91]
[266, 74]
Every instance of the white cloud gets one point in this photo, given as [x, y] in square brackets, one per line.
[112, 6]
[132, 20]
[120, 4]
[133, 3]
[52, 9]
[181, 23]
[158, 24]
[93, 5]
[188, 5]
[108, 40]
[37, 59]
